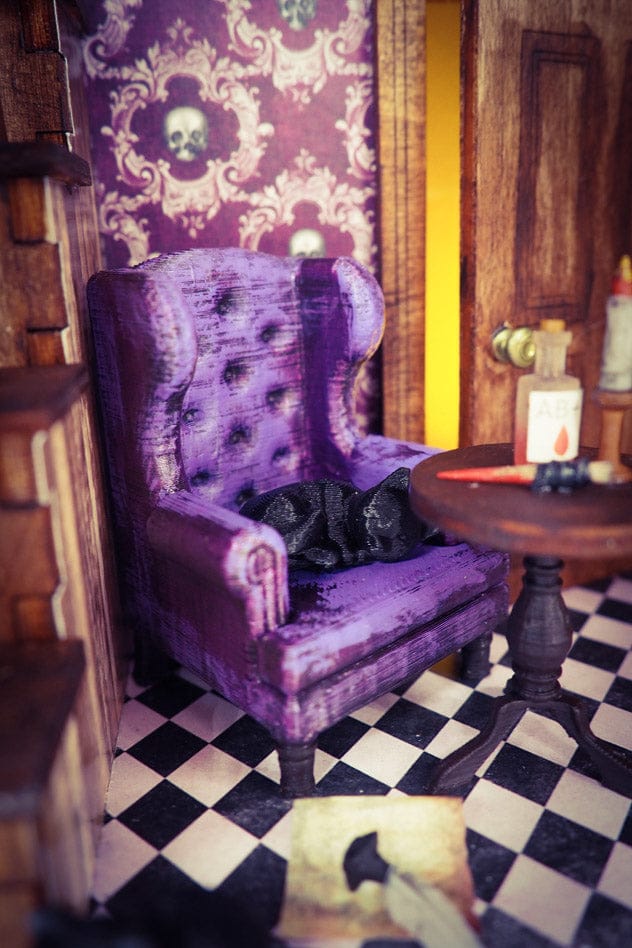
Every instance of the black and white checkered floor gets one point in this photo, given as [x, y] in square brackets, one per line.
[194, 806]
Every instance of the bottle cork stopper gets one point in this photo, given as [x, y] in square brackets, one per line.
[552, 325]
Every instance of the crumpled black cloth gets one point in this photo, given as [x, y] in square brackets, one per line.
[328, 525]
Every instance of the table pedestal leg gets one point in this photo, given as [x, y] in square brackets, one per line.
[539, 635]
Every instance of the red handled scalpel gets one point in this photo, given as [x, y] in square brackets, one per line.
[550, 476]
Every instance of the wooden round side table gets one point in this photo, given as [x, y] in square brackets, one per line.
[591, 522]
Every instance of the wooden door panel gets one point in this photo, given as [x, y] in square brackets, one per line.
[546, 193]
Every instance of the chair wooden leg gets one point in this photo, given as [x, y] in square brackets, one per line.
[297, 769]
[475, 658]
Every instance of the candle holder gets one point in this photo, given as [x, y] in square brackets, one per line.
[613, 408]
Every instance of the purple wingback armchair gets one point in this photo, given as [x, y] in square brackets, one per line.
[225, 373]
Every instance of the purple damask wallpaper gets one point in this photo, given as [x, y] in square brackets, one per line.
[233, 123]
[243, 123]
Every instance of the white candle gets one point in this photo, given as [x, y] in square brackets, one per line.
[616, 364]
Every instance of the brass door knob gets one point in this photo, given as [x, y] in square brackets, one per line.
[514, 345]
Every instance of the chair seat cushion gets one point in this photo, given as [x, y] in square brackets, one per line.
[339, 618]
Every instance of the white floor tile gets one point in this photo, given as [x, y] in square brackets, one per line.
[544, 738]
[371, 713]
[582, 599]
[137, 721]
[452, 735]
[438, 693]
[543, 899]
[129, 780]
[610, 631]
[270, 768]
[209, 775]
[210, 848]
[494, 684]
[501, 815]
[621, 588]
[585, 679]
[132, 689]
[590, 804]
[625, 669]
[120, 856]
[208, 716]
[382, 756]
[614, 725]
[279, 838]
[616, 879]
[498, 647]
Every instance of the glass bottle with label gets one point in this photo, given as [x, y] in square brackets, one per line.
[548, 401]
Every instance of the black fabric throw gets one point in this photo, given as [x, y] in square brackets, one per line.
[329, 524]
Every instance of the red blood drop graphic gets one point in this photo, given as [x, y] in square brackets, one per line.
[561, 442]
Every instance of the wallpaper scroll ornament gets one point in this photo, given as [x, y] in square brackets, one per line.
[220, 81]
[233, 123]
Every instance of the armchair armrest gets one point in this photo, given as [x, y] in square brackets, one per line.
[235, 555]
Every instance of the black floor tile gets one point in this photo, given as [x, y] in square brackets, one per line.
[166, 748]
[577, 619]
[506, 932]
[599, 585]
[194, 918]
[339, 738]
[161, 814]
[489, 863]
[257, 885]
[597, 654]
[606, 924]
[476, 710]
[389, 943]
[157, 892]
[170, 696]
[569, 848]
[411, 723]
[255, 804]
[343, 780]
[525, 773]
[620, 694]
[625, 836]
[246, 740]
[616, 609]
[581, 763]
[416, 781]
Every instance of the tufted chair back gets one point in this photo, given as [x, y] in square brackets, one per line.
[254, 386]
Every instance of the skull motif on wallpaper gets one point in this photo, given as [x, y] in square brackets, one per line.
[306, 242]
[297, 13]
[186, 132]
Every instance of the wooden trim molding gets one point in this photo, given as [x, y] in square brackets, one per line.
[401, 103]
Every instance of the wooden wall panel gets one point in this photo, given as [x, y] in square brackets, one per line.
[46, 849]
[400, 42]
[49, 549]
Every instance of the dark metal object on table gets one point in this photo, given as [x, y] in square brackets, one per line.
[595, 522]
